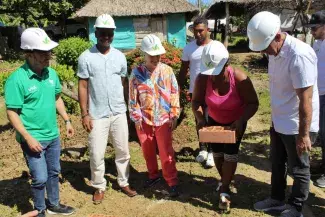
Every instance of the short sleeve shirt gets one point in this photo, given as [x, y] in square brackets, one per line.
[295, 67]
[104, 72]
[319, 47]
[192, 53]
[34, 97]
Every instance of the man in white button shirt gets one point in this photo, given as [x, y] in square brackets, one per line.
[295, 110]
[317, 26]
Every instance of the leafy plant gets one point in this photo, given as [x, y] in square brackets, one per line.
[65, 73]
[68, 80]
[69, 50]
[37, 12]
[3, 78]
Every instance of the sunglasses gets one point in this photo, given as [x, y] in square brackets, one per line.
[105, 33]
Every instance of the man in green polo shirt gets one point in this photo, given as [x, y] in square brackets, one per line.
[32, 95]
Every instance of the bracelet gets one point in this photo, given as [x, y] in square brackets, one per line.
[83, 116]
[67, 121]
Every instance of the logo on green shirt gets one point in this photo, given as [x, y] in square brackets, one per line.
[32, 89]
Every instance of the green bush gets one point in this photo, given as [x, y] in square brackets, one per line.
[69, 50]
[65, 73]
[13, 55]
[69, 80]
[3, 78]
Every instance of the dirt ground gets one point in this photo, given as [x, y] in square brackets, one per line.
[199, 198]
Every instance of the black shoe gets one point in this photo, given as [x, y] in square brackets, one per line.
[151, 182]
[41, 213]
[61, 210]
[174, 191]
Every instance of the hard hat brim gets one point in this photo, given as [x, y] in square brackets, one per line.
[214, 71]
[259, 47]
[161, 51]
[47, 47]
[104, 27]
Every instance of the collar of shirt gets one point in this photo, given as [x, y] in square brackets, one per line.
[319, 45]
[285, 48]
[31, 74]
[147, 72]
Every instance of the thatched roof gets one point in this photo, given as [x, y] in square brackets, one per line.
[240, 7]
[95, 8]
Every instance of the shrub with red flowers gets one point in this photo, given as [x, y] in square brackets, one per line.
[172, 57]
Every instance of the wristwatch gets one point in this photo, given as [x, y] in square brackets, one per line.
[67, 121]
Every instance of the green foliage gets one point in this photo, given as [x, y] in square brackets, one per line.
[69, 50]
[13, 55]
[37, 12]
[71, 105]
[3, 78]
[238, 42]
[66, 73]
[239, 21]
[69, 80]
[172, 57]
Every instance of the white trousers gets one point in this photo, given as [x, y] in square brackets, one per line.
[117, 128]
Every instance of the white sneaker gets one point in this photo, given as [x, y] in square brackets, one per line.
[203, 155]
[210, 160]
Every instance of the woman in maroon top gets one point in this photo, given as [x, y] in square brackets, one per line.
[231, 100]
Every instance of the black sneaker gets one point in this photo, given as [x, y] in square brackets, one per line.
[174, 191]
[320, 182]
[61, 210]
[41, 213]
[151, 182]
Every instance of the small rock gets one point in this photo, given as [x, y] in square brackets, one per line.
[73, 154]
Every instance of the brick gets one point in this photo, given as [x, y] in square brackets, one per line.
[217, 134]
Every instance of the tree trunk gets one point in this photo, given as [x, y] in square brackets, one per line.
[70, 94]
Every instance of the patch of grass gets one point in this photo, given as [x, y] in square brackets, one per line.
[9, 66]
[3, 113]
[264, 99]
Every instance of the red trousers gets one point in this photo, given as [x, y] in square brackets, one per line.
[151, 137]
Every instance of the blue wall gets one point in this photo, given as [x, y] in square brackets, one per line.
[124, 36]
[176, 30]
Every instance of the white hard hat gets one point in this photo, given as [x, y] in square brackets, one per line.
[262, 29]
[151, 45]
[214, 58]
[105, 21]
[36, 39]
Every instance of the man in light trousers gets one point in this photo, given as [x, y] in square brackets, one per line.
[292, 71]
[102, 72]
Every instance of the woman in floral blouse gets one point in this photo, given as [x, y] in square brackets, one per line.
[154, 107]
